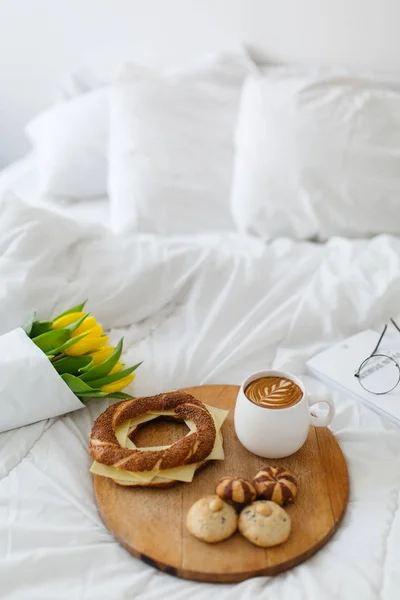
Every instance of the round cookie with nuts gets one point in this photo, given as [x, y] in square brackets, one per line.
[264, 524]
[210, 519]
[235, 489]
[276, 484]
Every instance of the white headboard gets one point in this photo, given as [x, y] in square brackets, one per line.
[40, 40]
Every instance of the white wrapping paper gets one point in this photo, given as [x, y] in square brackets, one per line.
[30, 387]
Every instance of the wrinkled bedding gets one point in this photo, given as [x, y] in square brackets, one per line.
[196, 310]
[20, 179]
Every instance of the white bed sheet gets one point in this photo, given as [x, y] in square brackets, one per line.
[20, 178]
[196, 310]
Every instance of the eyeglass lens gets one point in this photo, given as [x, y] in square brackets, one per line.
[379, 374]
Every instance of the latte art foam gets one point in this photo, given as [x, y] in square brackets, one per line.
[273, 392]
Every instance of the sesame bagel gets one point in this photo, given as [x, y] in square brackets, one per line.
[159, 482]
[193, 448]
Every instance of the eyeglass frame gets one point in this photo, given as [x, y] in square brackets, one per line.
[357, 374]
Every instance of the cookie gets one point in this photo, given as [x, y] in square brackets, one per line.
[235, 489]
[264, 524]
[276, 484]
[211, 520]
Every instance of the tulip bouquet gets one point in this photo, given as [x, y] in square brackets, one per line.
[77, 348]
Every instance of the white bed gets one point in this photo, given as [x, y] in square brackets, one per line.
[20, 179]
[199, 308]
[204, 309]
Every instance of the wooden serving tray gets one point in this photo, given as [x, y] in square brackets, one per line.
[150, 522]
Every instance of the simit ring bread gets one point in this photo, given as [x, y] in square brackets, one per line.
[276, 484]
[193, 448]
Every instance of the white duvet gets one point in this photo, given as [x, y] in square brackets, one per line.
[196, 310]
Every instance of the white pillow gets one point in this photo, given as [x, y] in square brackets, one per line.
[317, 154]
[70, 142]
[171, 146]
[82, 81]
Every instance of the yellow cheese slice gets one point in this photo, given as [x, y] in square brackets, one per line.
[114, 473]
[183, 473]
[219, 415]
[122, 431]
[217, 453]
[191, 426]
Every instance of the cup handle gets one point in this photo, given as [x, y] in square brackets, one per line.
[327, 419]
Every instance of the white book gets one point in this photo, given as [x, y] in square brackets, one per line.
[337, 366]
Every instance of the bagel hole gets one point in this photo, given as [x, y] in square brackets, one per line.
[159, 432]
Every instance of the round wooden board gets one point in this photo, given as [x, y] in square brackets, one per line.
[150, 522]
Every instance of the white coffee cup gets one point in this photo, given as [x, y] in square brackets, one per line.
[277, 432]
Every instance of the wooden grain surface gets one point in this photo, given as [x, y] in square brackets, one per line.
[150, 523]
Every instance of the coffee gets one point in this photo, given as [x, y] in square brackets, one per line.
[273, 392]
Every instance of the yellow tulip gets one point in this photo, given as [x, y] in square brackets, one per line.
[96, 331]
[101, 355]
[116, 386]
[116, 367]
[67, 320]
[88, 323]
[86, 345]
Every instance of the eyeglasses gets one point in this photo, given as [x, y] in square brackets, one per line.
[379, 373]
